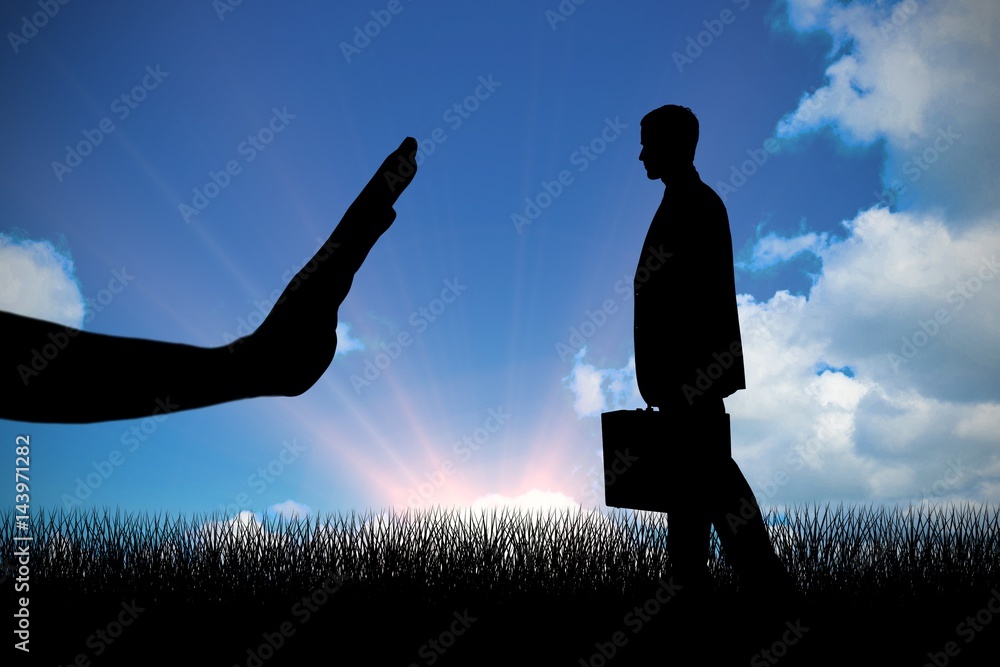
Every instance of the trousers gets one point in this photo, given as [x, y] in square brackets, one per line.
[732, 508]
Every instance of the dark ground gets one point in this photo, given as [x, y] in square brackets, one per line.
[394, 628]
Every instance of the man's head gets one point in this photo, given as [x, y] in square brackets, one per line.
[669, 136]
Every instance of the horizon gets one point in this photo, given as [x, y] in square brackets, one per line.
[170, 168]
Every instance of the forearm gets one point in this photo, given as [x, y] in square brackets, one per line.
[59, 374]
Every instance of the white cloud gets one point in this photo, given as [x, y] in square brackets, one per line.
[290, 510]
[920, 76]
[601, 390]
[918, 379]
[535, 499]
[36, 280]
[773, 249]
[345, 343]
[806, 14]
[912, 302]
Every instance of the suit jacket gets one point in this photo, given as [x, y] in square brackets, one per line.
[688, 346]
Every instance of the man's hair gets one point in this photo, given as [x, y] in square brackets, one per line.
[674, 124]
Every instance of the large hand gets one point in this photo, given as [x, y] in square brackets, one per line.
[295, 344]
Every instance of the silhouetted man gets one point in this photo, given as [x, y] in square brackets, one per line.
[53, 373]
[688, 349]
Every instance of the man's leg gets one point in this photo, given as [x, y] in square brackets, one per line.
[688, 526]
[687, 544]
[745, 540]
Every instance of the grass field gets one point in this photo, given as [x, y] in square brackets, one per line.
[504, 587]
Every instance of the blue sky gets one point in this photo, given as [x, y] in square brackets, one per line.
[854, 143]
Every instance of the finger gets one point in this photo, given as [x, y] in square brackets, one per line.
[395, 173]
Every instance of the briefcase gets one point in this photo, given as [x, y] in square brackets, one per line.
[654, 460]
